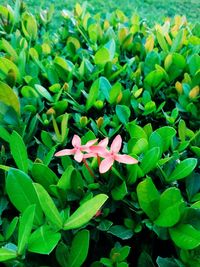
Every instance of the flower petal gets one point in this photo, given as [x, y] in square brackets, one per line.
[90, 143]
[103, 142]
[106, 164]
[89, 155]
[78, 156]
[125, 159]
[87, 146]
[65, 152]
[116, 144]
[101, 151]
[76, 141]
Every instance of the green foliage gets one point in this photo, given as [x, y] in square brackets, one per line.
[98, 76]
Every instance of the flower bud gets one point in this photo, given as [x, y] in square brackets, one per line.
[194, 92]
[119, 98]
[179, 87]
[99, 122]
[50, 111]
[138, 93]
[98, 104]
[65, 86]
[83, 121]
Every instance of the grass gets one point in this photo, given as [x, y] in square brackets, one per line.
[152, 10]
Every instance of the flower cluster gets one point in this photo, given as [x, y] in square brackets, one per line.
[91, 150]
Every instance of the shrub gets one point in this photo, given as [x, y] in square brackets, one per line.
[99, 76]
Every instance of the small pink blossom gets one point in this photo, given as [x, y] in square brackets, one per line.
[100, 149]
[77, 149]
[111, 156]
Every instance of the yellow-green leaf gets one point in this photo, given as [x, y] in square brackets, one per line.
[8, 97]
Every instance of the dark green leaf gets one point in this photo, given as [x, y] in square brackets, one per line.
[123, 113]
[11, 228]
[79, 249]
[119, 192]
[121, 232]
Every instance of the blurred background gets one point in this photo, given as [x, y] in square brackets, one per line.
[151, 10]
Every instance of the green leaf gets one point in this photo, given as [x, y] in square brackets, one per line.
[152, 58]
[161, 40]
[123, 113]
[85, 212]
[194, 64]
[119, 254]
[115, 92]
[7, 254]
[155, 140]
[136, 131]
[154, 78]
[183, 169]
[167, 133]
[122, 264]
[137, 147]
[5, 45]
[111, 46]
[11, 228]
[7, 66]
[4, 134]
[121, 232]
[21, 192]
[148, 197]
[177, 42]
[185, 236]
[149, 108]
[43, 240]
[105, 87]
[150, 160]
[170, 206]
[104, 225]
[79, 249]
[43, 92]
[145, 260]
[19, 151]
[64, 182]
[43, 175]
[29, 26]
[166, 262]
[25, 227]
[62, 254]
[102, 56]
[119, 192]
[93, 94]
[182, 130]
[48, 206]
[8, 97]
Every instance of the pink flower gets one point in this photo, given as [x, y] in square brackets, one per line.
[100, 149]
[112, 155]
[77, 149]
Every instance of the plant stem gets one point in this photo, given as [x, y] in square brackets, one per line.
[98, 160]
[88, 168]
